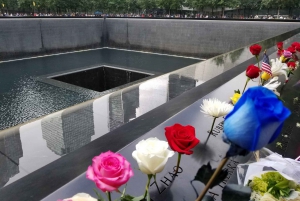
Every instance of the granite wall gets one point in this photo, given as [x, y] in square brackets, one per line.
[198, 38]
[28, 37]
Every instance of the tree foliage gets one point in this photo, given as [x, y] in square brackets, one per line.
[128, 6]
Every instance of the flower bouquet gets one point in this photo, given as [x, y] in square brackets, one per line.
[273, 186]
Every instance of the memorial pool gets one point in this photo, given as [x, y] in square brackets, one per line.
[23, 97]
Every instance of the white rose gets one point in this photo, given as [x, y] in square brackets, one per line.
[152, 155]
[268, 197]
[81, 197]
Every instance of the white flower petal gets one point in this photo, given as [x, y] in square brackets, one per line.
[272, 85]
[152, 155]
[278, 68]
[215, 108]
[81, 197]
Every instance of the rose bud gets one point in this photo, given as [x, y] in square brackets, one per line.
[294, 44]
[280, 45]
[291, 65]
[291, 49]
[255, 49]
[252, 72]
[181, 139]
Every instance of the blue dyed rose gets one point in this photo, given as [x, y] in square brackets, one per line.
[256, 119]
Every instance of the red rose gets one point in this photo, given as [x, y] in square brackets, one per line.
[255, 49]
[291, 64]
[291, 49]
[298, 48]
[252, 72]
[294, 44]
[280, 45]
[279, 52]
[181, 138]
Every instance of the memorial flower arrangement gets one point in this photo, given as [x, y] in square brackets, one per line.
[109, 171]
[254, 120]
[290, 57]
[273, 186]
[270, 70]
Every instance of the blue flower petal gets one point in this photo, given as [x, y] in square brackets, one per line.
[256, 119]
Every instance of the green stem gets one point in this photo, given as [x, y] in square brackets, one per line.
[108, 195]
[147, 186]
[257, 59]
[178, 163]
[248, 79]
[211, 130]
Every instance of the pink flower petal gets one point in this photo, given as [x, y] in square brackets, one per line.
[90, 173]
[104, 187]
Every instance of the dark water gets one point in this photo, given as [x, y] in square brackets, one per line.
[22, 98]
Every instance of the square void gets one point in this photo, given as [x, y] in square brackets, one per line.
[102, 78]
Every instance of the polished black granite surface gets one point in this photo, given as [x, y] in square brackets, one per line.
[190, 180]
[126, 115]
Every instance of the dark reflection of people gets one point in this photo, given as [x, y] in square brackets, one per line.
[10, 153]
[69, 130]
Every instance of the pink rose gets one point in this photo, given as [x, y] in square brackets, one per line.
[287, 54]
[109, 171]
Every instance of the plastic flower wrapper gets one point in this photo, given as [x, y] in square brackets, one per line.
[255, 121]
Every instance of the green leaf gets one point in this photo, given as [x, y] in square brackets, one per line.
[138, 198]
[100, 198]
[124, 190]
[237, 91]
[283, 184]
[127, 198]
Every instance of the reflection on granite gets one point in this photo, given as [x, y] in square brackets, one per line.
[64, 132]
[76, 126]
[10, 153]
[194, 170]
